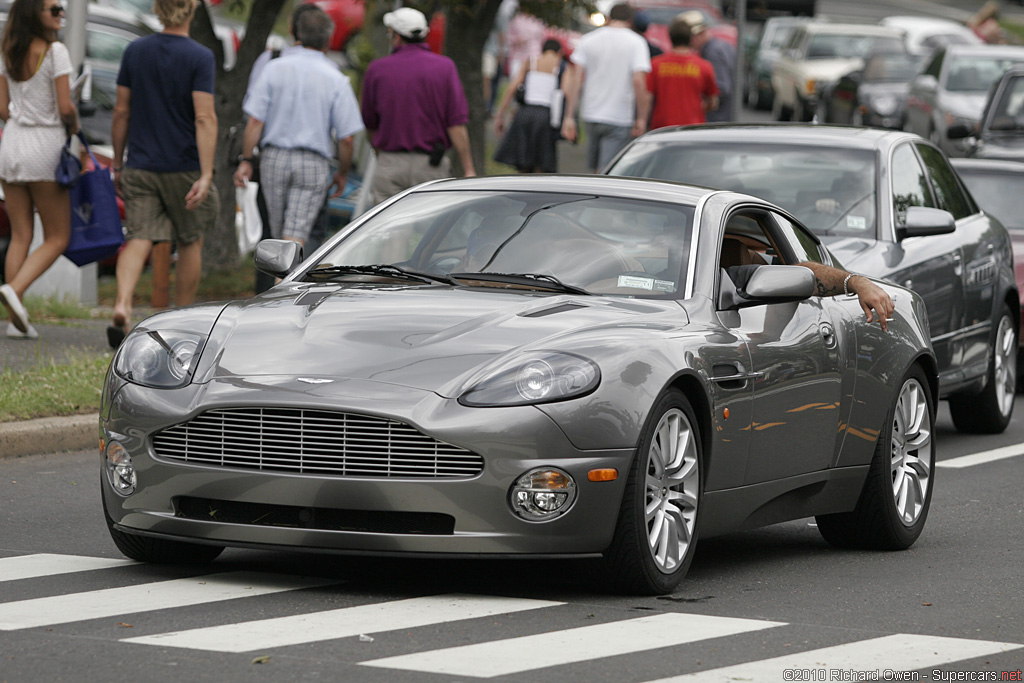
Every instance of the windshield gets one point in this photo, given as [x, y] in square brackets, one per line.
[998, 194]
[846, 46]
[891, 68]
[604, 245]
[976, 73]
[831, 191]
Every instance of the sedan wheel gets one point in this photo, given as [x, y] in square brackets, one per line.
[990, 411]
[656, 533]
[897, 493]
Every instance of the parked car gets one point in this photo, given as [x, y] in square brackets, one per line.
[874, 95]
[402, 392]
[816, 56]
[996, 187]
[857, 189]
[952, 89]
[761, 55]
[1000, 134]
[923, 35]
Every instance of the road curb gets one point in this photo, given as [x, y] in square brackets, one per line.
[48, 435]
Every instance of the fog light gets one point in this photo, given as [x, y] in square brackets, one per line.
[120, 471]
[542, 494]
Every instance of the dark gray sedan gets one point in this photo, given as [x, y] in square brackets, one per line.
[526, 366]
[855, 188]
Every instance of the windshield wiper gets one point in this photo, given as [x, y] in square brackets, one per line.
[534, 279]
[384, 269]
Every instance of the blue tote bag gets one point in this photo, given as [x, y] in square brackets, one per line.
[95, 220]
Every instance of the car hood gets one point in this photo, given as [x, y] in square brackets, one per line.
[829, 70]
[879, 88]
[423, 337]
[853, 252]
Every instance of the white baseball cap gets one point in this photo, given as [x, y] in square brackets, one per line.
[407, 22]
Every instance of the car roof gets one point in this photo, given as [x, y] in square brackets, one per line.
[606, 186]
[985, 49]
[794, 134]
[987, 166]
[850, 29]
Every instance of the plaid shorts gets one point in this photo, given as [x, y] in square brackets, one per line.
[154, 206]
[294, 184]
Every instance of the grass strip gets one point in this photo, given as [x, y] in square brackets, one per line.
[54, 389]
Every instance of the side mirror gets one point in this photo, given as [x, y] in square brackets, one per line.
[765, 285]
[926, 82]
[277, 257]
[959, 131]
[923, 221]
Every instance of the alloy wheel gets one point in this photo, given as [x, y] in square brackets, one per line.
[671, 490]
[910, 463]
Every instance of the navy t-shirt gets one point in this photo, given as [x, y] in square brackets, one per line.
[162, 72]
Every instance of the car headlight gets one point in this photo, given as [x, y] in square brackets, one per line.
[884, 105]
[159, 358]
[539, 378]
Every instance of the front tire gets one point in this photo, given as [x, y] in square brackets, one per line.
[656, 534]
[897, 494]
[989, 412]
[160, 551]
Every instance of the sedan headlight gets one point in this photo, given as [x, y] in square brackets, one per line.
[884, 105]
[540, 378]
[163, 359]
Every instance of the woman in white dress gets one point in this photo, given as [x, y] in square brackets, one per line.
[39, 114]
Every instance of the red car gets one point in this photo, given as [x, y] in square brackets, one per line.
[660, 13]
[348, 18]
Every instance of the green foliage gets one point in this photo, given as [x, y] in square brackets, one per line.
[51, 308]
[53, 389]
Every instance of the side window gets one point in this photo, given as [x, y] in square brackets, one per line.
[948, 192]
[794, 40]
[803, 245]
[909, 183]
[935, 67]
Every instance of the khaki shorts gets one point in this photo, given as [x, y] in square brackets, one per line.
[154, 206]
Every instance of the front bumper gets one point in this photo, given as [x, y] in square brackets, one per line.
[282, 509]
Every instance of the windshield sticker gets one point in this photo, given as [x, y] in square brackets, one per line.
[857, 222]
[636, 282]
[664, 286]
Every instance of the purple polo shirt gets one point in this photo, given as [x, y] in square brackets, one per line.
[411, 98]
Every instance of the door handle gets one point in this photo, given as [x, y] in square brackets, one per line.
[828, 335]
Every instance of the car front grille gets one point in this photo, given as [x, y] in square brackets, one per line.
[315, 442]
[325, 519]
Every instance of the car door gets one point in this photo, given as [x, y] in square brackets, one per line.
[796, 360]
[977, 271]
[923, 92]
[931, 266]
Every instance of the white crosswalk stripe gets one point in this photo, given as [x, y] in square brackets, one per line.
[502, 657]
[62, 609]
[899, 653]
[982, 458]
[341, 623]
[45, 564]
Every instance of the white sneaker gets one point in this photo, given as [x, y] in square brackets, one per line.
[18, 312]
[14, 333]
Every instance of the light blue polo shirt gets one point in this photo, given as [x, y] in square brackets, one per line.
[302, 98]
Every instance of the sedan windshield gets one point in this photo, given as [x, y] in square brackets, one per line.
[847, 46]
[830, 190]
[520, 240]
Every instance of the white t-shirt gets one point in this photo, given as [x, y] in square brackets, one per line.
[611, 55]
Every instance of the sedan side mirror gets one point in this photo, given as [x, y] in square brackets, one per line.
[959, 131]
[923, 221]
[277, 257]
[765, 285]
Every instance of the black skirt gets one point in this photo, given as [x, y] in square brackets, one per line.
[529, 143]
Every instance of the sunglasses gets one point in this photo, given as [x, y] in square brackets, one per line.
[56, 11]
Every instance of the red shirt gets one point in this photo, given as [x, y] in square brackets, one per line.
[679, 83]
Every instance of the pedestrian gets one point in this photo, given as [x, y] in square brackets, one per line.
[164, 115]
[641, 22]
[39, 115]
[722, 56]
[530, 144]
[302, 113]
[682, 83]
[609, 85]
[414, 109]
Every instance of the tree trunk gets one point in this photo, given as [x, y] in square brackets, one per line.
[220, 248]
[469, 23]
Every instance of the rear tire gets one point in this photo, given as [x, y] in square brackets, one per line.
[656, 534]
[897, 494]
[990, 411]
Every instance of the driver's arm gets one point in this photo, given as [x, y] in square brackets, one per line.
[874, 300]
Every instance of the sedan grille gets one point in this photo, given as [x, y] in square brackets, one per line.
[315, 442]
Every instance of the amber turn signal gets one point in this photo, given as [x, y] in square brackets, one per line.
[607, 474]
